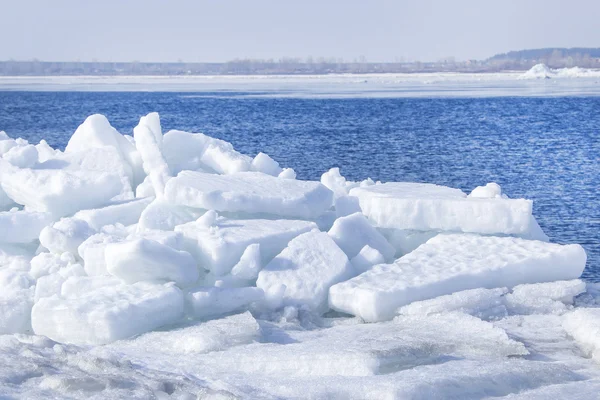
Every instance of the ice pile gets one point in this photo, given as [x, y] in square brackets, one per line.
[119, 236]
[542, 71]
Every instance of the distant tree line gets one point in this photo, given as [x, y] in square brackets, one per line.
[514, 60]
[552, 57]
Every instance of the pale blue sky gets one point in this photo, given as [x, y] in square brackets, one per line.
[380, 30]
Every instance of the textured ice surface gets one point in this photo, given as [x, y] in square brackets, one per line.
[425, 207]
[148, 260]
[544, 298]
[92, 251]
[61, 192]
[96, 132]
[65, 235]
[584, 326]
[215, 335]
[210, 302]
[482, 303]
[107, 314]
[22, 226]
[249, 192]
[305, 270]
[218, 245]
[453, 262]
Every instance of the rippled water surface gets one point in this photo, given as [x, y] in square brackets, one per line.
[546, 149]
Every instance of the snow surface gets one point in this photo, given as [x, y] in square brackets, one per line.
[176, 267]
[249, 192]
[394, 85]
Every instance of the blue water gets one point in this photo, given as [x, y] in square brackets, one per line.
[545, 149]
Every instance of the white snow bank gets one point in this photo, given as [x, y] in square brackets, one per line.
[107, 314]
[426, 207]
[249, 192]
[305, 270]
[453, 262]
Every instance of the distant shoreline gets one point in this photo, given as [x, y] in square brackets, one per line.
[514, 61]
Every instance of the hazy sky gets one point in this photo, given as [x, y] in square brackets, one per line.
[220, 30]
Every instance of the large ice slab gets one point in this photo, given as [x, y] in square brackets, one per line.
[249, 192]
[425, 207]
[165, 216]
[199, 152]
[144, 260]
[148, 141]
[218, 245]
[453, 262]
[96, 132]
[124, 212]
[61, 192]
[107, 314]
[305, 270]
